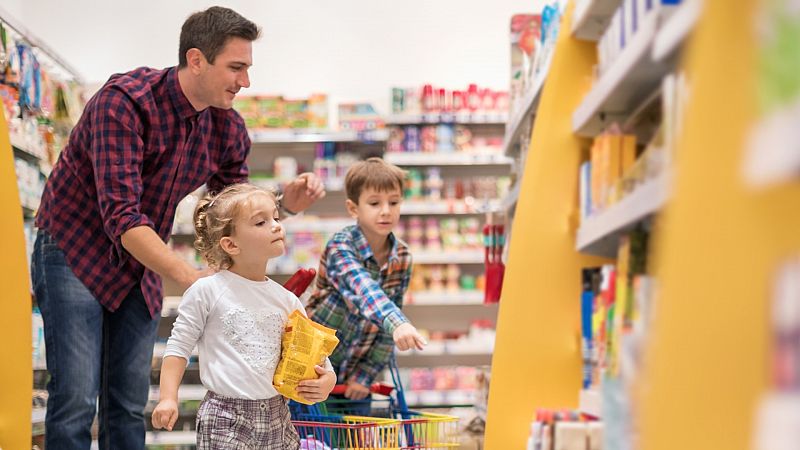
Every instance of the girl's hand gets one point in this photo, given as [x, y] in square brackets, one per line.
[165, 415]
[317, 390]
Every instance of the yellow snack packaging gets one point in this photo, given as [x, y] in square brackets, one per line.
[305, 344]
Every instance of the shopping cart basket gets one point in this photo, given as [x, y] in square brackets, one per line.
[414, 430]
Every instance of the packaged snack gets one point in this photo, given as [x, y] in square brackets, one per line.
[305, 344]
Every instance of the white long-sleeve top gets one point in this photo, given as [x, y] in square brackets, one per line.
[237, 325]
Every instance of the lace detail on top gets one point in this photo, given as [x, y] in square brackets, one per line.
[256, 335]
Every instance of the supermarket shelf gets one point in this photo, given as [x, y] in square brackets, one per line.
[592, 18]
[21, 150]
[443, 359]
[599, 234]
[423, 207]
[677, 29]
[436, 118]
[288, 136]
[591, 403]
[38, 415]
[455, 158]
[444, 257]
[630, 78]
[456, 398]
[434, 298]
[527, 107]
[185, 392]
[171, 438]
[510, 200]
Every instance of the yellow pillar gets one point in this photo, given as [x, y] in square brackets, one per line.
[721, 245]
[16, 379]
[537, 360]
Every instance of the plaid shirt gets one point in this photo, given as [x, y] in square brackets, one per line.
[138, 149]
[362, 301]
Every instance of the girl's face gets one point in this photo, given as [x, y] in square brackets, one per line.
[258, 233]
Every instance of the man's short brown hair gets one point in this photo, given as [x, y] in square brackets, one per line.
[372, 173]
[209, 31]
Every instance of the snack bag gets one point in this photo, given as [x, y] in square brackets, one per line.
[304, 345]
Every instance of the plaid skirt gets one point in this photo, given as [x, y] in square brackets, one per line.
[225, 423]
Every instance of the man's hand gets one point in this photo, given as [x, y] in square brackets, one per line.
[195, 275]
[165, 415]
[302, 192]
[407, 337]
[317, 390]
[356, 391]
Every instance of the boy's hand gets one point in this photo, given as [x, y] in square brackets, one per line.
[165, 415]
[407, 337]
[317, 390]
[356, 391]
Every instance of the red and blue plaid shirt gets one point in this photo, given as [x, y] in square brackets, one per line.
[361, 301]
[137, 150]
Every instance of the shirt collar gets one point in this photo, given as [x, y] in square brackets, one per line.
[365, 251]
[179, 101]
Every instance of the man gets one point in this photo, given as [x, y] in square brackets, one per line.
[145, 140]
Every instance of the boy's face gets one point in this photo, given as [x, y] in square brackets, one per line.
[377, 212]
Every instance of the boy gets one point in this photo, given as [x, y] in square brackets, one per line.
[363, 276]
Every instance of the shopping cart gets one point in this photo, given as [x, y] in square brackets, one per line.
[384, 422]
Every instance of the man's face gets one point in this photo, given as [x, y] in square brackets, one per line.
[219, 82]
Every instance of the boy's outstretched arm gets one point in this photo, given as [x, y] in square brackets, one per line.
[166, 412]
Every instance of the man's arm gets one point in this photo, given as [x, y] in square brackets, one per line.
[143, 243]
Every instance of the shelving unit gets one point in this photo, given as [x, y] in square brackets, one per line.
[19, 421]
[547, 248]
[473, 158]
[633, 76]
[441, 358]
[467, 119]
[592, 18]
[527, 107]
[599, 235]
[298, 136]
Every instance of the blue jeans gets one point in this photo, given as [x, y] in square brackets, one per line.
[91, 352]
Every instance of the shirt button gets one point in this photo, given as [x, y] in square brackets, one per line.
[263, 406]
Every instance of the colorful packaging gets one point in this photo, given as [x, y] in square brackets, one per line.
[305, 344]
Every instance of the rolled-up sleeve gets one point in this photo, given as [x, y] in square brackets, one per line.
[117, 154]
[237, 146]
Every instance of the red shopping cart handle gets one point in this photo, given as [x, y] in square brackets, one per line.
[376, 388]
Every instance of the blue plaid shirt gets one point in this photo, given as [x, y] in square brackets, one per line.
[362, 301]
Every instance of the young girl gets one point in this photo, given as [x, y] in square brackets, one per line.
[236, 318]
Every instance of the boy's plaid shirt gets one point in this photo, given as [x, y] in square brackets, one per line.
[362, 301]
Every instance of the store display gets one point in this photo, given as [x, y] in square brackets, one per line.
[279, 112]
[441, 102]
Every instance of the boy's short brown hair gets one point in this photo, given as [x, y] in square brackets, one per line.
[372, 173]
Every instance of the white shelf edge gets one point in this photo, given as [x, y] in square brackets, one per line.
[677, 29]
[446, 298]
[614, 80]
[454, 158]
[171, 438]
[457, 257]
[185, 392]
[421, 207]
[512, 197]
[38, 415]
[591, 403]
[590, 21]
[288, 136]
[529, 103]
[457, 118]
[650, 197]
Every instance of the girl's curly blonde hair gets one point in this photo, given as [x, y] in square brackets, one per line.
[214, 219]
